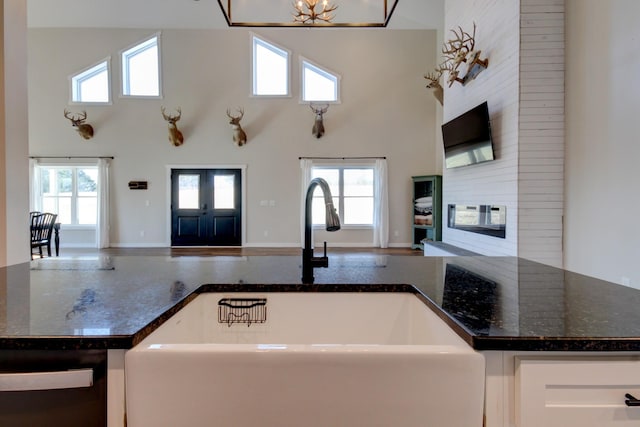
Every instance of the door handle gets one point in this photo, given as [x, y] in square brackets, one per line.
[631, 401]
[30, 381]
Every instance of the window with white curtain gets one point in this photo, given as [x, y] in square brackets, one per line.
[360, 193]
[71, 192]
[352, 188]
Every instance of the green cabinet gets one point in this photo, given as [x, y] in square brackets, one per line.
[427, 209]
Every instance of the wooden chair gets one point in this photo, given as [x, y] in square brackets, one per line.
[41, 231]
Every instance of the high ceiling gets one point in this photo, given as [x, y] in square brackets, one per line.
[189, 14]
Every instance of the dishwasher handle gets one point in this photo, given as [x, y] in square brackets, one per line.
[55, 380]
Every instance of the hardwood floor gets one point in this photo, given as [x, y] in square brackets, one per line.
[229, 251]
[288, 251]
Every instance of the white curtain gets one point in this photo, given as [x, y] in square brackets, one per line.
[102, 224]
[35, 201]
[305, 165]
[381, 205]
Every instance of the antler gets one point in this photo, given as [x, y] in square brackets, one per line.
[434, 78]
[463, 40]
[170, 118]
[85, 130]
[460, 46]
[471, 39]
[238, 118]
[453, 72]
[319, 110]
[77, 120]
[456, 51]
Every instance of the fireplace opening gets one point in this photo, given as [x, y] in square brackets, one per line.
[490, 220]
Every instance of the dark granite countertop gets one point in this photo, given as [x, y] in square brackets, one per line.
[494, 303]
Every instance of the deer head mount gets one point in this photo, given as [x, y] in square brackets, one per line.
[239, 137]
[456, 52]
[85, 130]
[318, 124]
[175, 136]
[434, 83]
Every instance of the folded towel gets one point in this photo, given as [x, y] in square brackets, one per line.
[423, 219]
[424, 205]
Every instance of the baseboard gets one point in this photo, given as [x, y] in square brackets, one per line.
[253, 245]
[138, 245]
[271, 245]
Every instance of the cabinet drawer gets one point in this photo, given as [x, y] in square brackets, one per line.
[576, 392]
[53, 388]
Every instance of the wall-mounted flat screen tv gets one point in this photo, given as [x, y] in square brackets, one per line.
[467, 138]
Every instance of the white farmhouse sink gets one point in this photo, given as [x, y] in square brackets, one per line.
[319, 359]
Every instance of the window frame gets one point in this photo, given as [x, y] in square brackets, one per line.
[341, 196]
[305, 63]
[90, 71]
[74, 194]
[276, 48]
[130, 52]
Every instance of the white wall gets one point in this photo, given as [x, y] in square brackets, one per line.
[602, 146]
[385, 111]
[541, 131]
[598, 162]
[523, 86]
[14, 187]
[496, 182]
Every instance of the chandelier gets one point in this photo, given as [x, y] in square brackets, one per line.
[307, 13]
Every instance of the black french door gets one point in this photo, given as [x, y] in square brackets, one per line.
[206, 208]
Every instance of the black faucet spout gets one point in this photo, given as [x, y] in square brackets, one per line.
[309, 262]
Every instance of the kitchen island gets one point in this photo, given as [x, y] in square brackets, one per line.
[504, 307]
[494, 303]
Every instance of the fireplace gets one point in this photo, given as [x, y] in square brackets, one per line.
[490, 220]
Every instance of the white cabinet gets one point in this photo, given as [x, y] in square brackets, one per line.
[584, 392]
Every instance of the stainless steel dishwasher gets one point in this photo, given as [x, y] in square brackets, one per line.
[53, 388]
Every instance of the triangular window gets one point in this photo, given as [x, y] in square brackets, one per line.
[92, 85]
[318, 84]
[141, 69]
[270, 69]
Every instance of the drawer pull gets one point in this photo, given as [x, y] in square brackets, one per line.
[631, 401]
[30, 381]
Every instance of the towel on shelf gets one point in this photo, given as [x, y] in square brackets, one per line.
[424, 200]
[423, 219]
